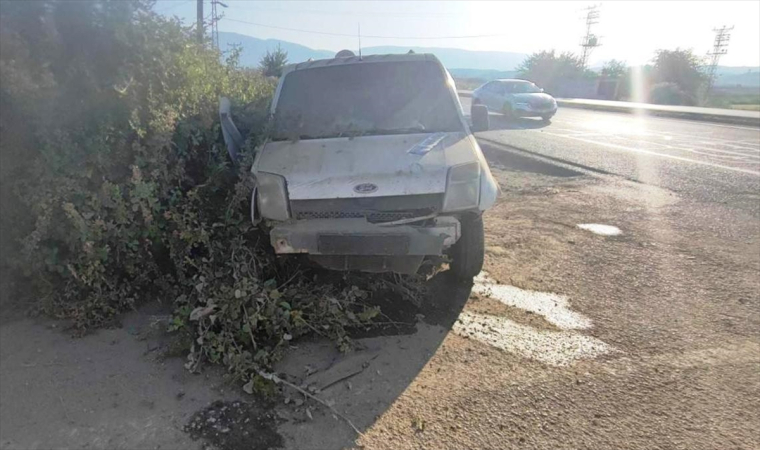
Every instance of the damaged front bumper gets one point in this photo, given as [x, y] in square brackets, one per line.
[355, 244]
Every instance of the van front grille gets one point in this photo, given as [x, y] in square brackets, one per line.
[374, 209]
[374, 217]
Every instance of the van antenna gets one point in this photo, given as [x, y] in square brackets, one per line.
[359, 28]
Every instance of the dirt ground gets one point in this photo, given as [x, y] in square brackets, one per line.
[648, 339]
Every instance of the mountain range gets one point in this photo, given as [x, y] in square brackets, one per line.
[254, 48]
[484, 65]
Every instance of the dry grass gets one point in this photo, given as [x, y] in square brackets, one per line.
[746, 107]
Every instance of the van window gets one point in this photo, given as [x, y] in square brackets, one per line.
[365, 99]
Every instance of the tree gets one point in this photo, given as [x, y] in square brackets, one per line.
[668, 93]
[681, 68]
[272, 63]
[549, 70]
[614, 69]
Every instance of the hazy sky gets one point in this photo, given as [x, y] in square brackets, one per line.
[629, 31]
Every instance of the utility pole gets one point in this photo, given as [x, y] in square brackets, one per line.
[215, 18]
[720, 48]
[199, 21]
[590, 40]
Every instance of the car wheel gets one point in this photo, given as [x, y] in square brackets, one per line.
[507, 111]
[475, 102]
[468, 253]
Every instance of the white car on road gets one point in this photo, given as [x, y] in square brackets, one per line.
[371, 166]
[515, 98]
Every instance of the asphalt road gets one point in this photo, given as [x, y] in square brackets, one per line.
[706, 161]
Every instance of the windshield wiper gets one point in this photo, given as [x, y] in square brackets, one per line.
[357, 133]
[385, 131]
[302, 137]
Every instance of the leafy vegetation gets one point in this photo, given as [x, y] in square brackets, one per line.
[614, 69]
[668, 93]
[550, 70]
[272, 63]
[746, 98]
[123, 191]
[677, 77]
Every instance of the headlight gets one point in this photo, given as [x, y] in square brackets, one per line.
[273, 196]
[462, 187]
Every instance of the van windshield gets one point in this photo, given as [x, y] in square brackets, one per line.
[365, 99]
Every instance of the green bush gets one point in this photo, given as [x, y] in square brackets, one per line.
[554, 72]
[679, 67]
[129, 191]
[670, 94]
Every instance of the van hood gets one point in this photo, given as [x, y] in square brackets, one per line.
[367, 166]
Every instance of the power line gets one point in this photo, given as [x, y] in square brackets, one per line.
[200, 29]
[215, 18]
[720, 48]
[350, 13]
[175, 5]
[327, 33]
[590, 41]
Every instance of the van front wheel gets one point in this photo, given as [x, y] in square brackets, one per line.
[468, 253]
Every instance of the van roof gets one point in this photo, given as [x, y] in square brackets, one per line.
[367, 59]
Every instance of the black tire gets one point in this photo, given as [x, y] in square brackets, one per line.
[479, 118]
[475, 102]
[468, 253]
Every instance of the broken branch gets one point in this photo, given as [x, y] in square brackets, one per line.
[278, 380]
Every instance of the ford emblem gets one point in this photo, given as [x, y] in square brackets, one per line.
[365, 188]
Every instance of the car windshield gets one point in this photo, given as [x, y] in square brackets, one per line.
[523, 88]
[365, 99]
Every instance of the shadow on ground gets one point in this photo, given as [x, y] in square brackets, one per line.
[498, 158]
[363, 384]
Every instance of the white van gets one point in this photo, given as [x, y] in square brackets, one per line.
[371, 166]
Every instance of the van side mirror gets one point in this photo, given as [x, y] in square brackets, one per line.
[232, 137]
[479, 118]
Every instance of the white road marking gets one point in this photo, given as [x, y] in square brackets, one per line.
[733, 144]
[685, 121]
[736, 127]
[555, 308]
[604, 230]
[662, 155]
[689, 137]
[558, 348]
[693, 149]
[715, 153]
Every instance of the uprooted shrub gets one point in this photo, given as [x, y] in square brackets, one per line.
[129, 193]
